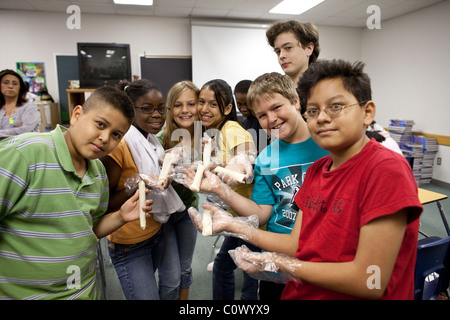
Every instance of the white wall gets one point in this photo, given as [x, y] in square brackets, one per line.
[340, 43]
[40, 36]
[233, 52]
[442, 172]
[45, 35]
[408, 60]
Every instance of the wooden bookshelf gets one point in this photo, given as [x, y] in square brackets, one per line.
[76, 97]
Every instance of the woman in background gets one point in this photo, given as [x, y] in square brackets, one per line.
[17, 114]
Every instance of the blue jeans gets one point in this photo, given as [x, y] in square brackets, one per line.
[223, 273]
[135, 265]
[175, 272]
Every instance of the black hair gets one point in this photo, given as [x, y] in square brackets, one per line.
[22, 91]
[224, 96]
[242, 86]
[372, 133]
[112, 96]
[354, 79]
[138, 88]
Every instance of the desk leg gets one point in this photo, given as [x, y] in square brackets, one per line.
[424, 234]
[444, 220]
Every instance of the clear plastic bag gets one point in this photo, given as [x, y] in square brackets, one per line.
[151, 182]
[262, 266]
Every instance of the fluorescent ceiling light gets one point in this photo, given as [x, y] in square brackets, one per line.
[294, 7]
[135, 2]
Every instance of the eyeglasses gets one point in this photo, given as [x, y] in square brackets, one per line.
[333, 110]
[150, 110]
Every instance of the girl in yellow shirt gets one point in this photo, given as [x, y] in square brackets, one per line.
[217, 111]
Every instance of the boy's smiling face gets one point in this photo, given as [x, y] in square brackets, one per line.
[278, 116]
[95, 133]
[343, 135]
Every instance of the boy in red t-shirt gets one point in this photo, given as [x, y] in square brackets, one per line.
[357, 228]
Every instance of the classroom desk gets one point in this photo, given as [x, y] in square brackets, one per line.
[426, 196]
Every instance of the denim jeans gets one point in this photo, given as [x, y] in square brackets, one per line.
[175, 272]
[135, 265]
[223, 273]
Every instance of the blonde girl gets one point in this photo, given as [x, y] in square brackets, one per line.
[180, 235]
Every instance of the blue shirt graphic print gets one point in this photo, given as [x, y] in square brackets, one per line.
[287, 181]
[279, 172]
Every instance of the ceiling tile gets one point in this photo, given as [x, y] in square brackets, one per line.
[164, 11]
[215, 4]
[256, 5]
[214, 13]
[235, 14]
[174, 3]
[331, 12]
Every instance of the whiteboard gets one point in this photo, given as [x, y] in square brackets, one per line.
[231, 52]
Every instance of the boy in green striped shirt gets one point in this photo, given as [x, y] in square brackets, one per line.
[53, 195]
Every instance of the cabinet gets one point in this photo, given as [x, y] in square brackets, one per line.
[49, 115]
[76, 97]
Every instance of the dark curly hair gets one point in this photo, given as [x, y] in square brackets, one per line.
[304, 32]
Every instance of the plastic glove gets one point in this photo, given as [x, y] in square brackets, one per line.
[223, 221]
[176, 153]
[164, 176]
[209, 183]
[241, 163]
[263, 265]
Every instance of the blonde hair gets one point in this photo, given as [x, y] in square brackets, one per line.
[269, 84]
[174, 93]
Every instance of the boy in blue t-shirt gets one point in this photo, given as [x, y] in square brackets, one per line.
[280, 167]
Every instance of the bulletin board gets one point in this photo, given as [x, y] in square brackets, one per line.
[67, 69]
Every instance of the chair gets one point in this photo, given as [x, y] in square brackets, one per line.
[432, 272]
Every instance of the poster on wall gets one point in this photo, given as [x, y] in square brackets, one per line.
[33, 73]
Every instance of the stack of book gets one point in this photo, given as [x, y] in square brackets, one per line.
[419, 150]
[401, 131]
[414, 151]
[430, 148]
